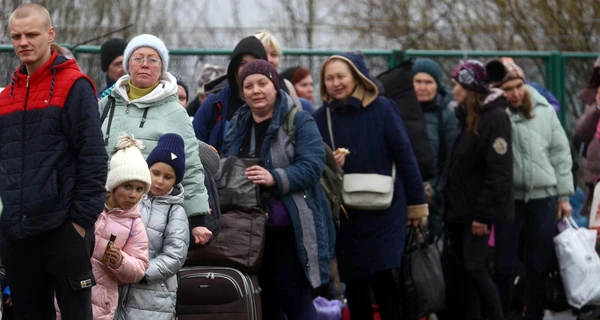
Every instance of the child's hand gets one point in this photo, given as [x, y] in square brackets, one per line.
[8, 302]
[114, 256]
[201, 235]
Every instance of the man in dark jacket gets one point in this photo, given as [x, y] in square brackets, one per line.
[111, 56]
[52, 173]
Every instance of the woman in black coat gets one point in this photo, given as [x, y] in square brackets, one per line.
[478, 188]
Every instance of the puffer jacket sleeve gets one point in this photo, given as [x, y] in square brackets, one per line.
[175, 247]
[196, 196]
[202, 118]
[134, 261]
[560, 157]
[407, 168]
[496, 138]
[309, 158]
[82, 127]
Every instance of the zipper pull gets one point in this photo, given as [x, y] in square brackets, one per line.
[27, 85]
[127, 110]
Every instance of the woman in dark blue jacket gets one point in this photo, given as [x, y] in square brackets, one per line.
[300, 234]
[369, 243]
[478, 189]
[438, 107]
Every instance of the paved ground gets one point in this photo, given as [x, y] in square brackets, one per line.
[566, 315]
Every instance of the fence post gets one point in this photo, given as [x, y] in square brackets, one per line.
[555, 82]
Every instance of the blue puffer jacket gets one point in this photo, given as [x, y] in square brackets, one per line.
[297, 169]
[215, 106]
[52, 158]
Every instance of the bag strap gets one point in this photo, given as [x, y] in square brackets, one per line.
[330, 129]
[111, 101]
[329, 126]
[111, 104]
[130, 232]
[252, 151]
[441, 141]
[169, 213]
[289, 126]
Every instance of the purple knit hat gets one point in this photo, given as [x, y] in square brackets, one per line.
[263, 67]
[475, 76]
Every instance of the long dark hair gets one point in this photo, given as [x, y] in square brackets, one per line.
[474, 106]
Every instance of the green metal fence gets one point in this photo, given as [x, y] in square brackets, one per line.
[563, 73]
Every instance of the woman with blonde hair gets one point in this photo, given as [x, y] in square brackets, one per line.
[369, 138]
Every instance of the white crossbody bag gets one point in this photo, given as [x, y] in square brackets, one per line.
[365, 191]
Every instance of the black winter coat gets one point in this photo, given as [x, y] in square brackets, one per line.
[398, 86]
[479, 178]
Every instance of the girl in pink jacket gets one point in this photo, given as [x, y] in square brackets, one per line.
[126, 260]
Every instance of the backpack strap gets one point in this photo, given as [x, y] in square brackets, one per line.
[109, 106]
[288, 125]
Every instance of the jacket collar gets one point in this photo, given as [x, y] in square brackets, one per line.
[167, 87]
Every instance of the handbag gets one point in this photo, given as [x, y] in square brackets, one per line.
[365, 191]
[235, 190]
[421, 278]
[579, 263]
[239, 245]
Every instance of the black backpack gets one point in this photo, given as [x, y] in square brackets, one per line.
[331, 181]
[398, 87]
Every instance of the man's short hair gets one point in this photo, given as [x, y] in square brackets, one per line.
[29, 9]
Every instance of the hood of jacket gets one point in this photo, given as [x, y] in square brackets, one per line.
[131, 213]
[56, 63]
[366, 91]
[167, 87]
[249, 45]
[176, 196]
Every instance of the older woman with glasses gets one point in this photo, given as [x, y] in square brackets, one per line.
[144, 103]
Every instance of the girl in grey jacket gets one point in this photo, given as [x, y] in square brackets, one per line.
[167, 226]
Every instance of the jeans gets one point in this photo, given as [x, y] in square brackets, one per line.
[469, 285]
[57, 261]
[539, 217]
[386, 293]
[286, 292]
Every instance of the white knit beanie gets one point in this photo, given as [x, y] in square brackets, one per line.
[150, 41]
[128, 164]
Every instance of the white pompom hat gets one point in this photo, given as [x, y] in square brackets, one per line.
[128, 164]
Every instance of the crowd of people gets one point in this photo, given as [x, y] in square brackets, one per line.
[104, 192]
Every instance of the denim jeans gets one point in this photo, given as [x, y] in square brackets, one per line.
[538, 216]
[286, 292]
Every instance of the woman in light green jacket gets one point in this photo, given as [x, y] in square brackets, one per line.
[144, 103]
[543, 183]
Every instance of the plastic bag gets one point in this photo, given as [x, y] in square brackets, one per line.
[579, 264]
[421, 278]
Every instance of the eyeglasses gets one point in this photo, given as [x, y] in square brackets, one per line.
[153, 62]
